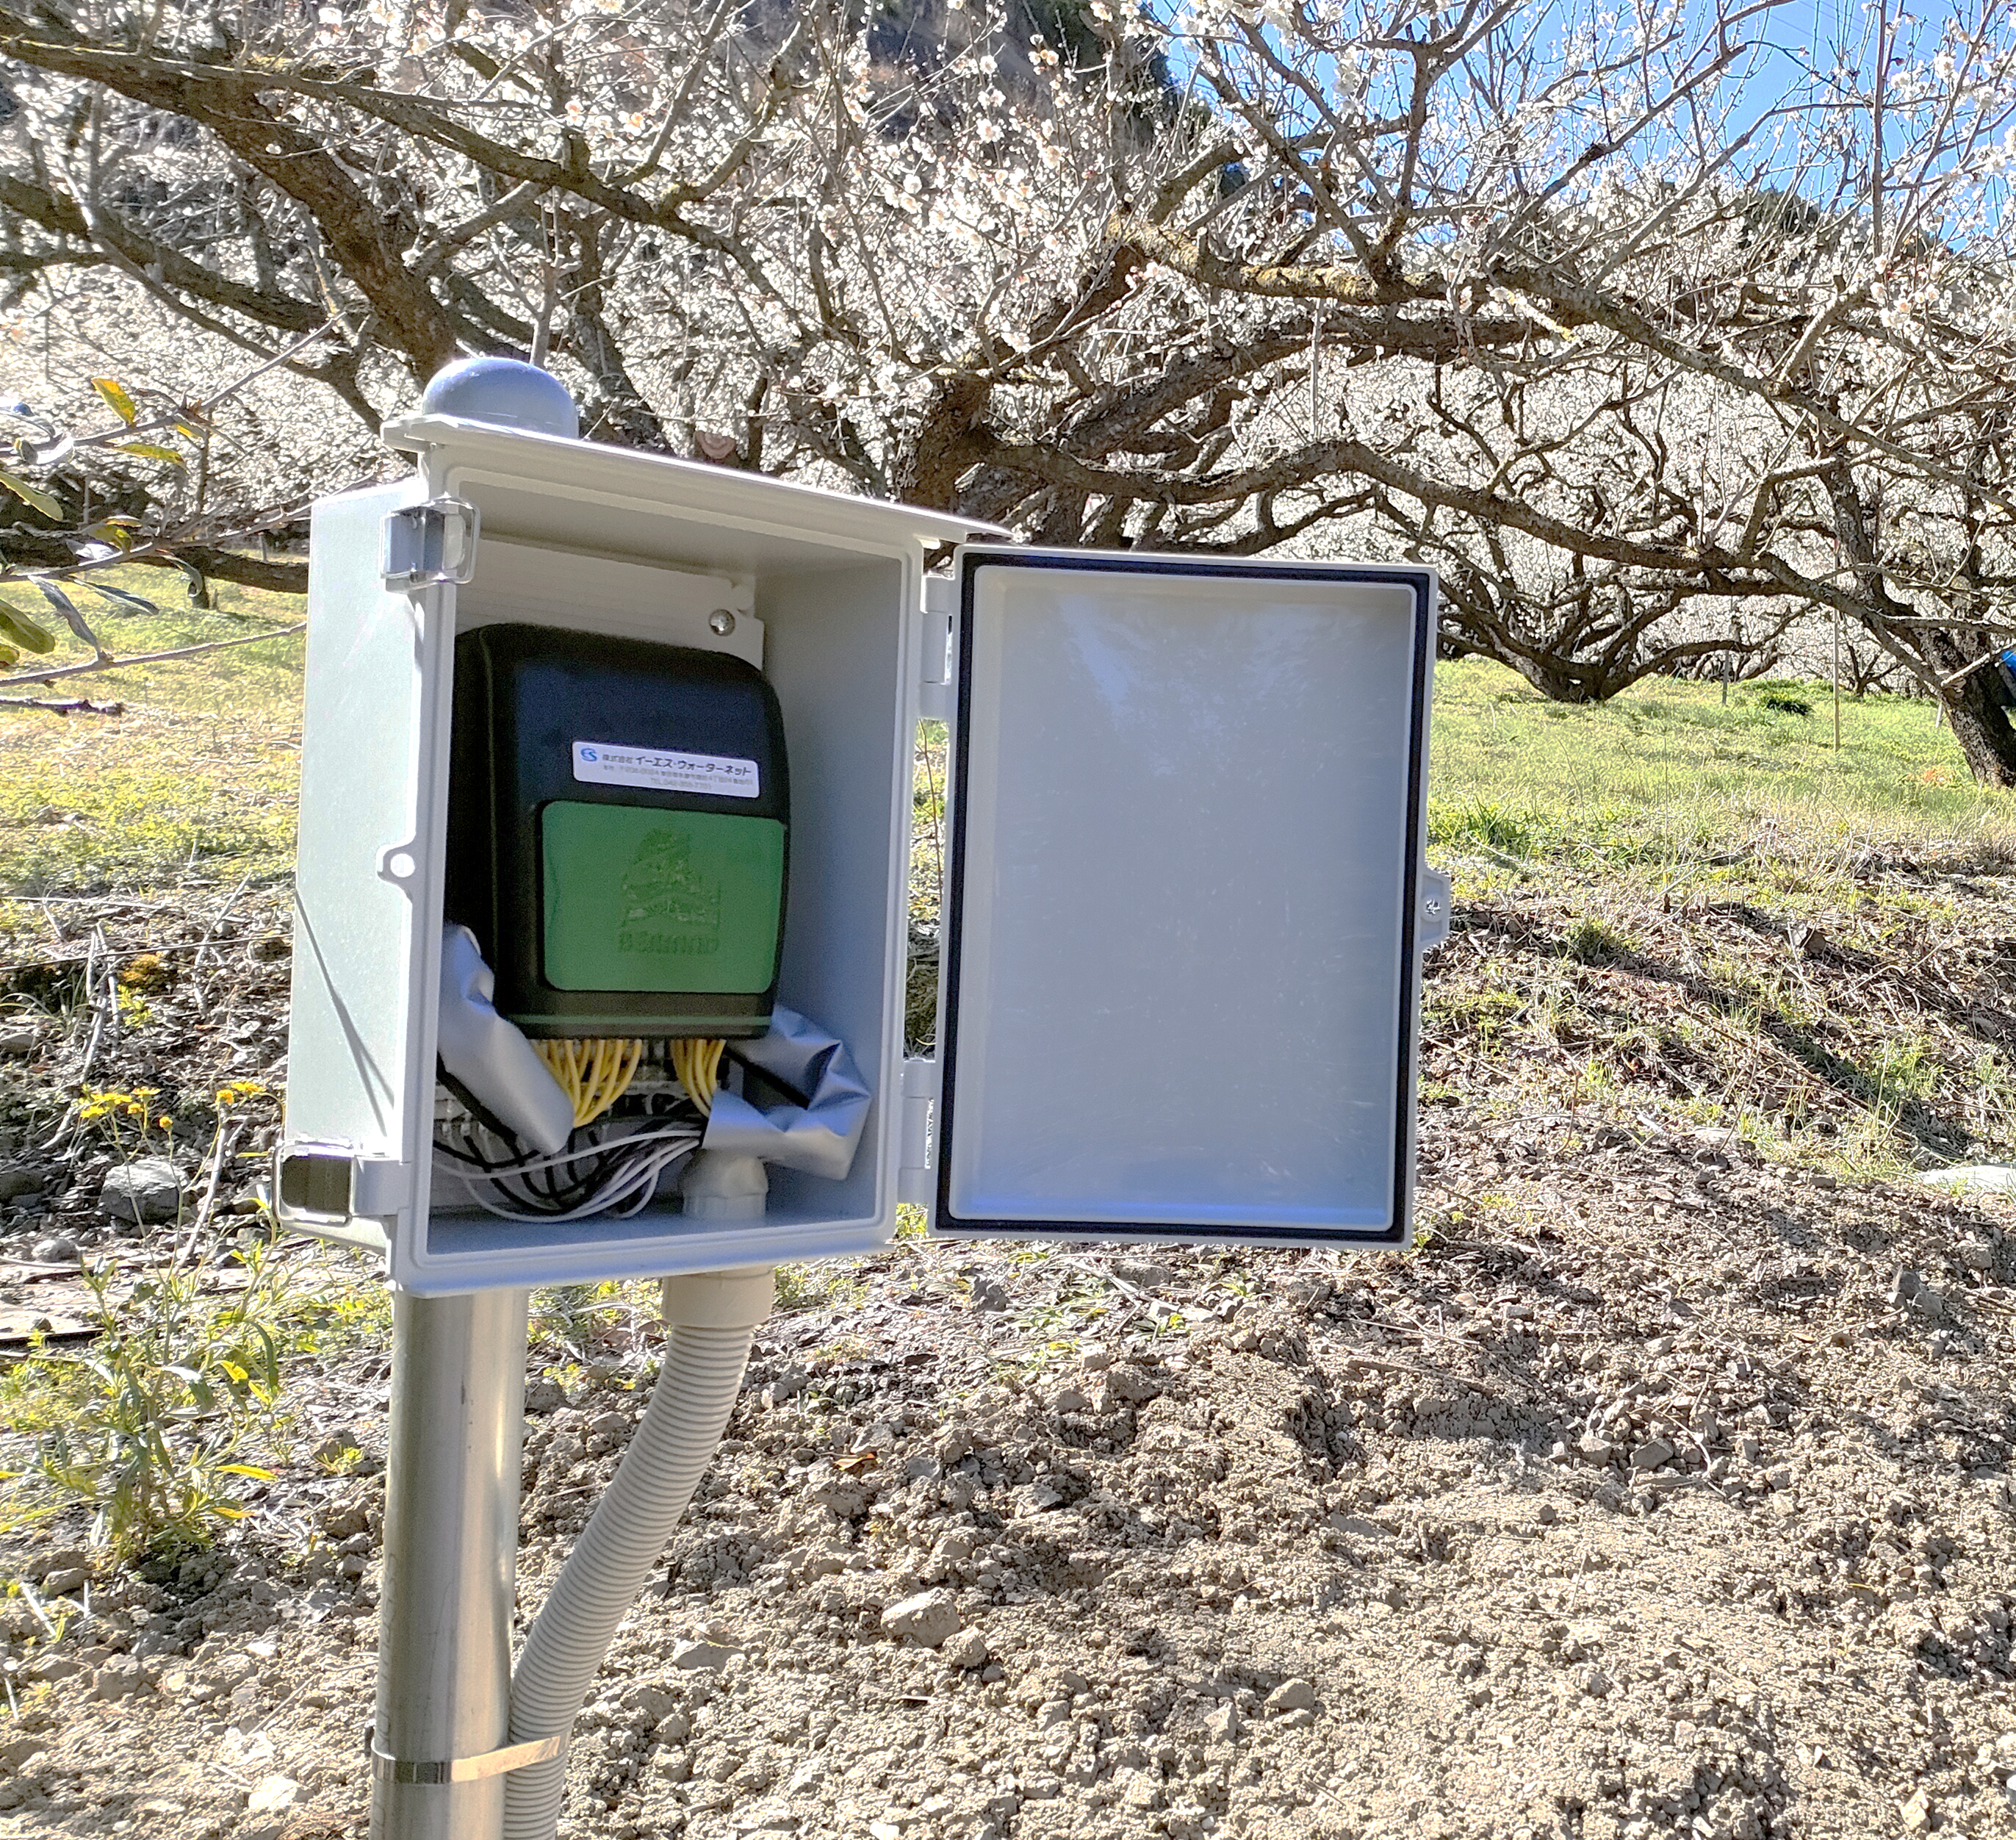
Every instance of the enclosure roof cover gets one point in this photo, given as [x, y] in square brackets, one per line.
[724, 492]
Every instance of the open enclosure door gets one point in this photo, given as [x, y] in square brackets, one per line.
[1184, 900]
[352, 1162]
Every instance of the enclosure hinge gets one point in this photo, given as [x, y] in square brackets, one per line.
[1438, 900]
[935, 691]
[917, 1166]
[426, 544]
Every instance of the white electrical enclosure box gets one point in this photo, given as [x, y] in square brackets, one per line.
[1185, 901]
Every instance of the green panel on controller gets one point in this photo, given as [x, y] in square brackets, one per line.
[643, 898]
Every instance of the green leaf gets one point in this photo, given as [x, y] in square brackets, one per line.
[114, 393]
[147, 451]
[23, 631]
[30, 494]
[118, 530]
[8, 656]
[72, 618]
[138, 604]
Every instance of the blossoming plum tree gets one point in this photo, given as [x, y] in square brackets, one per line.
[1652, 336]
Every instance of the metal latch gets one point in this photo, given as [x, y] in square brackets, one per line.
[1437, 902]
[428, 544]
[329, 1181]
[915, 1167]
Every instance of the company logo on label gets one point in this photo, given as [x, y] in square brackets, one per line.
[668, 907]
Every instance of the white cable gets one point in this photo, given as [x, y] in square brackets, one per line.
[634, 1183]
[601, 1146]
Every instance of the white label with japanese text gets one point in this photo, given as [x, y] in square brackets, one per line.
[608, 763]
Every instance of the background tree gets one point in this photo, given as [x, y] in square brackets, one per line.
[1626, 323]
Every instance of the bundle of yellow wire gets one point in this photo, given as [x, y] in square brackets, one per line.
[593, 1074]
[697, 1063]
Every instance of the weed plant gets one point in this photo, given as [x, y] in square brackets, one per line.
[150, 1426]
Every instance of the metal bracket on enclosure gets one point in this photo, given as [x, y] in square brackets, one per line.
[386, 1768]
[429, 544]
[915, 1166]
[330, 1182]
[1437, 897]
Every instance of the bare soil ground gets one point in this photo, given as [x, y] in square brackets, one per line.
[1665, 1489]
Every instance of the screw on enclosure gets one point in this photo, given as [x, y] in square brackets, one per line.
[505, 392]
[720, 622]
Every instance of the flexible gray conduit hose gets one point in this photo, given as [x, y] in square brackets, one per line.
[674, 1443]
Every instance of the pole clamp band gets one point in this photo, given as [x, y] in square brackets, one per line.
[386, 1768]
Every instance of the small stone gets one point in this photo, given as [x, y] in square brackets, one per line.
[1594, 1449]
[1222, 1724]
[784, 1388]
[1095, 1357]
[653, 1702]
[53, 1667]
[57, 1249]
[1296, 1695]
[967, 1648]
[1143, 1274]
[1142, 1791]
[18, 1041]
[61, 1583]
[117, 1681]
[1654, 1453]
[927, 1619]
[1780, 1478]
[702, 1657]
[1069, 1399]
[1916, 1813]
[272, 1795]
[1749, 1447]
[148, 1188]
[542, 1396]
[1595, 1684]
[1131, 1385]
[16, 1180]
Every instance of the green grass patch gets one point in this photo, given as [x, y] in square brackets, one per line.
[1667, 773]
[195, 782]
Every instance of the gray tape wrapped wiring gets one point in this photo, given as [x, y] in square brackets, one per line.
[820, 1136]
[489, 1056]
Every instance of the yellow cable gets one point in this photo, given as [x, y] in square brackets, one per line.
[593, 1074]
[697, 1063]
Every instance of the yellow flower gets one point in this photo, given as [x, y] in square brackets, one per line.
[164, 1122]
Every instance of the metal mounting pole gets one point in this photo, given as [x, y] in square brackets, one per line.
[451, 1562]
